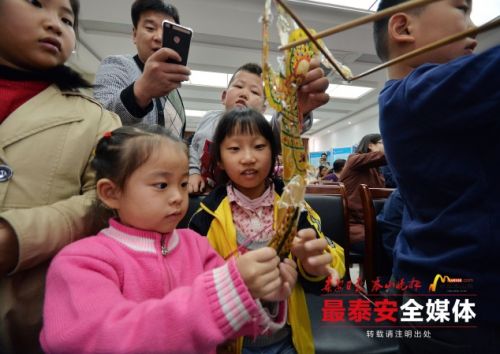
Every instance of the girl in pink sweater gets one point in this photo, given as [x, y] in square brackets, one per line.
[140, 285]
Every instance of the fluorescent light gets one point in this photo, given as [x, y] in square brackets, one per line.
[195, 113]
[208, 78]
[316, 120]
[349, 92]
[358, 4]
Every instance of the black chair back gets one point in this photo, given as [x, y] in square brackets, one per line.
[342, 336]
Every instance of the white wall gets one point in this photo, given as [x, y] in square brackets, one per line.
[346, 135]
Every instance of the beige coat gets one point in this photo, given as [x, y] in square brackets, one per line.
[48, 143]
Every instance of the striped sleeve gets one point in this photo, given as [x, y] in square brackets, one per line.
[236, 311]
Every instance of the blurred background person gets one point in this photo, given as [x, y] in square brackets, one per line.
[362, 167]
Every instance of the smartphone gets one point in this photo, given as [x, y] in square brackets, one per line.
[178, 38]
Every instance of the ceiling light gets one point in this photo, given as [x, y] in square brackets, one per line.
[208, 78]
[359, 4]
[349, 123]
[195, 113]
[482, 12]
[316, 120]
[349, 92]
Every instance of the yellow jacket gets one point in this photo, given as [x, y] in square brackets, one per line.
[214, 219]
[48, 143]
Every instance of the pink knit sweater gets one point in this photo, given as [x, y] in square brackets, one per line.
[118, 293]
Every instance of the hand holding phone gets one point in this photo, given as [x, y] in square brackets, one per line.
[178, 38]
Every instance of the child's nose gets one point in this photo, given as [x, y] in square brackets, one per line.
[53, 23]
[244, 93]
[471, 24]
[176, 196]
[248, 156]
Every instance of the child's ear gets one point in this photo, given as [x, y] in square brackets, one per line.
[223, 97]
[399, 28]
[108, 193]
[220, 165]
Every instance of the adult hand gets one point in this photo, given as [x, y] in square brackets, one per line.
[159, 78]
[310, 251]
[312, 91]
[196, 184]
[9, 248]
[259, 270]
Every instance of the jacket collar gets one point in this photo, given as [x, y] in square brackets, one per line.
[213, 200]
[139, 240]
[138, 61]
[47, 109]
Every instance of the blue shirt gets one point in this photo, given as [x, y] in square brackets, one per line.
[441, 132]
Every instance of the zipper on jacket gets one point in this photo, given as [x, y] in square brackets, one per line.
[164, 248]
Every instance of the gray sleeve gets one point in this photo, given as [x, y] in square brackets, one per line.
[194, 150]
[113, 85]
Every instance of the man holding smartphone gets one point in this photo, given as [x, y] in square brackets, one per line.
[143, 88]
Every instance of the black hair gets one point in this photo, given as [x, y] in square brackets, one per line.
[338, 165]
[63, 76]
[367, 140]
[324, 153]
[120, 152]
[251, 68]
[141, 6]
[75, 6]
[244, 121]
[320, 169]
[380, 34]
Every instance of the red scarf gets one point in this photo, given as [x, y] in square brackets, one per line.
[14, 93]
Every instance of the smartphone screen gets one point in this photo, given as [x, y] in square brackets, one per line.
[178, 38]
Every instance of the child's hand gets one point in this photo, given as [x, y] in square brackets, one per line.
[196, 184]
[310, 251]
[288, 274]
[260, 272]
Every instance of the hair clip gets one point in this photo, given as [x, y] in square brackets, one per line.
[107, 134]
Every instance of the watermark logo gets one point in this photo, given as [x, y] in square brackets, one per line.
[400, 308]
[450, 284]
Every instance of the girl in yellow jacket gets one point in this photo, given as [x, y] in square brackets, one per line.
[240, 215]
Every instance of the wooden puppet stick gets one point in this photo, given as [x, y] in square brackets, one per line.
[374, 17]
[354, 23]
[311, 37]
[442, 42]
